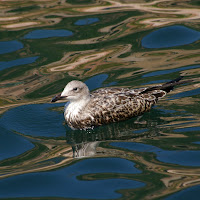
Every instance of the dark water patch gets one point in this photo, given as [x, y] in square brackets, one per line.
[140, 131]
[105, 165]
[39, 34]
[169, 71]
[184, 158]
[197, 142]
[156, 82]
[186, 94]
[10, 46]
[188, 193]
[35, 120]
[188, 129]
[170, 36]
[17, 62]
[12, 144]
[81, 1]
[196, 3]
[97, 81]
[25, 9]
[64, 182]
[86, 21]
[166, 111]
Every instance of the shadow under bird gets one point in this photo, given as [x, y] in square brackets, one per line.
[106, 105]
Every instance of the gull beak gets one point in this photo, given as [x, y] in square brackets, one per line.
[57, 97]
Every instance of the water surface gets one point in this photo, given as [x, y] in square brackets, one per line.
[41, 157]
[66, 182]
[12, 144]
[34, 120]
[41, 34]
[170, 36]
[185, 158]
[189, 193]
[86, 21]
[17, 62]
[10, 46]
[169, 71]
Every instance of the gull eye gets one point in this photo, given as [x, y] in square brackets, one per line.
[75, 89]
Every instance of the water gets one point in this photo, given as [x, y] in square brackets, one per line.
[189, 193]
[10, 46]
[65, 182]
[17, 62]
[170, 36]
[181, 157]
[155, 156]
[169, 71]
[27, 120]
[86, 21]
[97, 81]
[41, 34]
[12, 145]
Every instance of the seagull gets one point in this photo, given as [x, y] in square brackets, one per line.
[86, 110]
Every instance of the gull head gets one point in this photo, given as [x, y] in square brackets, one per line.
[73, 91]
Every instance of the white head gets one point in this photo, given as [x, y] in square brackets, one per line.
[74, 91]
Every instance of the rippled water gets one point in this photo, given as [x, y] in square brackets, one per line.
[170, 36]
[86, 21]
[44, 46]
[39, 34]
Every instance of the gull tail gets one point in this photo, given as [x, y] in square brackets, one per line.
[169, 86]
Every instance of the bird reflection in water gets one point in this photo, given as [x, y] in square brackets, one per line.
[85, 142]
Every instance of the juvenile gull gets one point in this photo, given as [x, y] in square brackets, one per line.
[88, 110]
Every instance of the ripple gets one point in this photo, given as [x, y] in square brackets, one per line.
[64, 182]
[169, 71]
[186, 94]
[185, 158]
[97, 81]
[188, 129]
[198, 142]
[86, 21]
[39, 34]
[17, 62]
[35, 120]
[10, 46]
[170, 36]
[156, 82]
[12, 144]
[188, 193]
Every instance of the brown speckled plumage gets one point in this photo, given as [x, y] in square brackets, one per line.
[106, 105]
[111, 105]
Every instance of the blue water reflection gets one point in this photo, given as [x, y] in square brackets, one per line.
[64, 182]
[185, 158]
[189, 193]
[169, 71]
[12, 144]
[156, 82]
[170, 36]
[10, 46]
[188, 129]
[97, 82]
[17, 62]
[86, 21]
[39, 34]
[197, 142]
[186, 94]
[35, 120]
